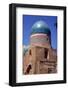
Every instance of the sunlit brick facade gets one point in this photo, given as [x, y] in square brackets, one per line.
[40, 58]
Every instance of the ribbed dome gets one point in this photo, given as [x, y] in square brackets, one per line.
[40, 27]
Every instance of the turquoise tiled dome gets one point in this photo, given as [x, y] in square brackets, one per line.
[40, 27]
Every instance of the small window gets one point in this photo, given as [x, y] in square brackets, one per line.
[49, 70]
[45, 53]
[28, 69]
[30, 52]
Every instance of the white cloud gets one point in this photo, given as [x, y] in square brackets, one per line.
[25, 46]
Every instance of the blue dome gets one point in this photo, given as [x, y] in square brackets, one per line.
[40, 27]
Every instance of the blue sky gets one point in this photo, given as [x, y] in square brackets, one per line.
[29, 20]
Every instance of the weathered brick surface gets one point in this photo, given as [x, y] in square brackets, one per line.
[40, 64]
